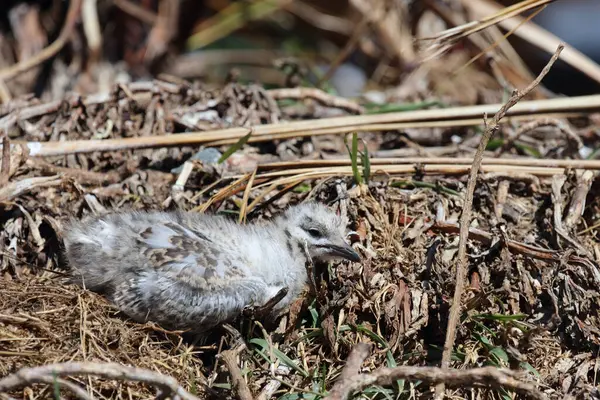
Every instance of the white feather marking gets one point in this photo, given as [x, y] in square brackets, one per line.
[159, 238]
[85, 239]
[178, 266]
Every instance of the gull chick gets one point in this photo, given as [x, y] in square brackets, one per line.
[191, 271]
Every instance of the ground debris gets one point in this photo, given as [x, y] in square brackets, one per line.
[531, 301]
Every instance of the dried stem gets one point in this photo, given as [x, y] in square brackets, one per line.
[457, 116]
[478, 377]
[528, 127]
[46, 373]
[67, 29]
[462, 264]
[351, 370]
[536, 36]
[585, 179]
[514, 246]
[351, 381]
[16, 189]
[240, 386]
[5, 166]
[414, 161]
[329, 100]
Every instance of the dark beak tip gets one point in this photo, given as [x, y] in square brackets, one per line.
[354, 256]
[345, 251]
[351, 254]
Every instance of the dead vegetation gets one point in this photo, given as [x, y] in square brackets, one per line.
[526, 315]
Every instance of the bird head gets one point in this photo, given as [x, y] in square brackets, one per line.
[321, 229]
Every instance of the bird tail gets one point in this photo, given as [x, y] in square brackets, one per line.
[85, 244]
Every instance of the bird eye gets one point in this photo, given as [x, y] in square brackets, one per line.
[314, 233]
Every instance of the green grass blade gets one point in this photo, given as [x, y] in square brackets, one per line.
[500, 355]
[528, 367]
[299, 396]
[55, 386]
[405, 184]
[500, 317]
[262, 343]
[388, 108]
[354, 159]
[366, 161]
[235, 147]
[391, 362]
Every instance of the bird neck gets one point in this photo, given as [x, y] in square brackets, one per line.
[281, 227]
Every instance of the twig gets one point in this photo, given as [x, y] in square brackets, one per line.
[352, 368]
[269, 340]
[230, 19]
[5, 166]
[67, 29]
[28, 321]
[5, 96]
[224, 193]
[15, 189]
[413, 161]
[537, 124]
[33, 229]
[80, 175]
[320, 20]
[310, 270]
[501, 197]
[457, 116]
[444, 40]
[184, 175]
[557, 202]
[322, 97]
[536, 36]
[477, 377]
[91, 27]
[136, 11]
[80, 393]
[244, 207]
[390, 25]
[26, 376]
[514, 246]
[258, 204]
[135, 91]
[240, 386]
[300, 174]
[267, 308]
[513, 60]
[465, 220]
[274, 384]
[577, 205]
[163, 30]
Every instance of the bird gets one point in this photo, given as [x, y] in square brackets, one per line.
[192, 271]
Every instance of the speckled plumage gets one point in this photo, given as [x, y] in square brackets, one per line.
[194, 271]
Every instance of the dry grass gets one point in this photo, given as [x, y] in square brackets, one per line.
[519, 312]
[531, 303]
[46, 321]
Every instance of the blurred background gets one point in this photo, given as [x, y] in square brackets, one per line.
[221, 106]
[350, 47]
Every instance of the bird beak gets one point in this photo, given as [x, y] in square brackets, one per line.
[345, 251]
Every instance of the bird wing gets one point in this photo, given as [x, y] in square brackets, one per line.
[188, 254]
[161, 268]
[190, 281]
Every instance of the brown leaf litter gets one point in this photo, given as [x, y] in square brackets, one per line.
[539, 315]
